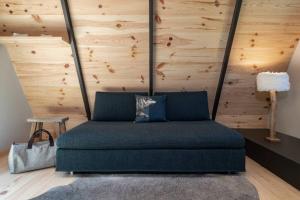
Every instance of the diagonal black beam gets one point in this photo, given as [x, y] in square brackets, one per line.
[151, 35]
[230, 39]
[72, 39]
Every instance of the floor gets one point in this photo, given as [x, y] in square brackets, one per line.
[28, 185]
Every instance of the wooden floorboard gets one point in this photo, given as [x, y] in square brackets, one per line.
[31, 184]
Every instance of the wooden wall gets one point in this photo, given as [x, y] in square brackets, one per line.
[46, 71]
[113, 43]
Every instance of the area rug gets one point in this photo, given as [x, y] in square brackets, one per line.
[155, 187]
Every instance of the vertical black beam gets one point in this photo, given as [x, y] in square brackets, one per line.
[72, 39]
[151, 58]
[233, 26]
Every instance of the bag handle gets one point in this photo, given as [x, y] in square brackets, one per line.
[36, 134]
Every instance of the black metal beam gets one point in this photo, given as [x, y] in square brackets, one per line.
[72, 39]
[151, 35]
[233, 26]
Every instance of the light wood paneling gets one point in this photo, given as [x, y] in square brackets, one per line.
[113, 44]
[32, 17]
[112, 36]
[190, 42]
[46, 71]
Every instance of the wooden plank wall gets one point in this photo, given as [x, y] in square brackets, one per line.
[191, 36]
[32, 17]
[46, 71]
[112, 38]
[266, 37]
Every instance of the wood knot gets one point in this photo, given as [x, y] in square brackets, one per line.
[217, 3]
[157, 19]
[160, 65]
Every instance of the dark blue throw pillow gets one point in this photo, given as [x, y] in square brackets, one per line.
[150, 108]
[115, 106]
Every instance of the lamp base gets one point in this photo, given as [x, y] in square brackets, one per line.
[273, 139]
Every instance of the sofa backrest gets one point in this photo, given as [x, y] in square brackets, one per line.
[180, 106]
[115, 106]
[186, 106]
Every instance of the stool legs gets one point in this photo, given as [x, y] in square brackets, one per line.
[33, 129]
[62, 128]
[40, 126]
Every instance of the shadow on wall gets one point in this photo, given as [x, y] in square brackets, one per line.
[288, 111]
[14, 109]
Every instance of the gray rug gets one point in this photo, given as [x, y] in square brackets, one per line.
[155, 187]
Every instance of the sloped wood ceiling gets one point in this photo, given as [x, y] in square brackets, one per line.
[112, 36]
[46, 70]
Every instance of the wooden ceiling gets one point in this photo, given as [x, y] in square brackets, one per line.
[112, 36]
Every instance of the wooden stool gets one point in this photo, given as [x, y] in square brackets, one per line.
[37, 123]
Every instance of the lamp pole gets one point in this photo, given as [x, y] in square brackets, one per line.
[273, 137]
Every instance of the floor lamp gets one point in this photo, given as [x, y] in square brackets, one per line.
[273, 82]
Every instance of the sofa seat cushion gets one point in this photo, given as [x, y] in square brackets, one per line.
[156, 135]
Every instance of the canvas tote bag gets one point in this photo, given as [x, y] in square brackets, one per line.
[30, 156]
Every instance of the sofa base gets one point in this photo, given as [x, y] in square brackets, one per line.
[151, 161]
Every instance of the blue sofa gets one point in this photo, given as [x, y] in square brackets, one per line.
[189, 142]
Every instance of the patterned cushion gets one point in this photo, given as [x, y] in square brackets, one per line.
[150, 109]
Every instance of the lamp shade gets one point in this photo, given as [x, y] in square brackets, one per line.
[276, 81]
